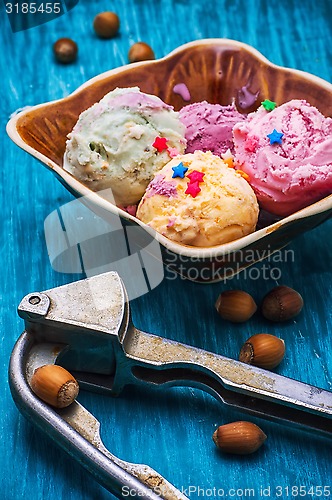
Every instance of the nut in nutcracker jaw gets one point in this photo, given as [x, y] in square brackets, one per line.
[91, 317]
[67, 324]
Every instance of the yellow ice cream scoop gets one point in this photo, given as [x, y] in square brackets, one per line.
[197, 199]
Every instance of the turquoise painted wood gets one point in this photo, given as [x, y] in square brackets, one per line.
[169, 430]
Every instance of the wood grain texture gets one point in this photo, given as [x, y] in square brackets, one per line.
[169, 430]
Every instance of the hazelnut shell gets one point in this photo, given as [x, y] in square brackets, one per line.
[282, 303]
[236, 306]
[263, 350]
[54, 385]
[65, 50]
[106, 24]
[240, 438]
[140, 51]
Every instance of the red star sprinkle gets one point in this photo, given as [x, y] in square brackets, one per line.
[196, 176]
[193, 189]
[160, 144]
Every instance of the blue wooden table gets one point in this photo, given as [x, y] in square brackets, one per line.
[169, 430]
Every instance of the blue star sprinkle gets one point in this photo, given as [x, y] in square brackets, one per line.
[179, 170]
[275, 137]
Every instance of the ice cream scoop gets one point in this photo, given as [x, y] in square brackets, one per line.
[287, 154]
[121, 141]
[197, 199]
[209, 126]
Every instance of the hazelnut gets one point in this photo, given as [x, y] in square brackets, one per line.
[240, 438]
[281, 304]
[54, 385]
[263, 350]
[236, 306]
[65, 50]
[140, 51]
[106, 24]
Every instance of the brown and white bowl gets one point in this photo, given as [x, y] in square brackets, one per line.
[215, 70]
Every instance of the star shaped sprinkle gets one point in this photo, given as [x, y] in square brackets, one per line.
[193, 189]
[275, 137]
[228, 158]
[243, 174]
[268, 105]
[173, 152]
[196, 176]
[160, 144]
[179, 170]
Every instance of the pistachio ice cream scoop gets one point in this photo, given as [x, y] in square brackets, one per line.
[121, 141]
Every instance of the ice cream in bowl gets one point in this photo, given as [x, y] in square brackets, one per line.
[216, 165]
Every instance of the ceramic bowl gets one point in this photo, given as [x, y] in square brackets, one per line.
[216, 70]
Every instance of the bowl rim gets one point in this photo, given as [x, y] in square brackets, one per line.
[93, 198]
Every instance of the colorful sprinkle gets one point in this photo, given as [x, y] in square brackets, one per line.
[160, 186]
[193, 189]
[228, 158]
[196, 176]
[246, 98]
[160, 144]
[171, 222]
[182, 90]
[179, 170]
[229, 162]
[173, 152]
[268, 105]
[243, 174]
[275, 137]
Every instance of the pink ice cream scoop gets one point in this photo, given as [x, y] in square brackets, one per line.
[287, 154]
[209, 126]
